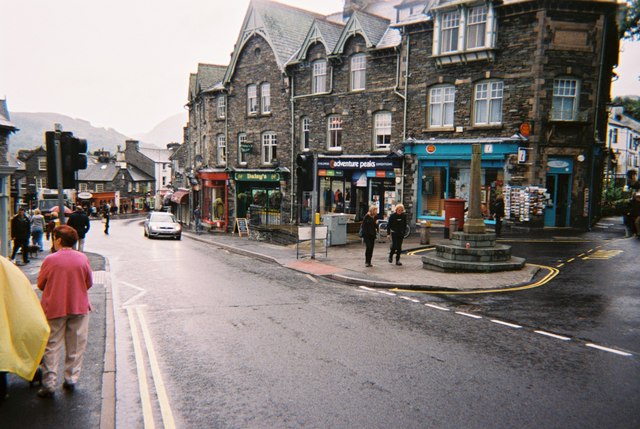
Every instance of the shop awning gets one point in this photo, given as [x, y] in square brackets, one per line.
[180, 197]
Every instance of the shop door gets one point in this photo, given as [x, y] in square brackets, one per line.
[559, 188]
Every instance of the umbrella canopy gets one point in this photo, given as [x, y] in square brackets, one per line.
[56, 209]
[24, 330]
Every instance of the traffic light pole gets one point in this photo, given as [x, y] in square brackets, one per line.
[314, 207]
[58, 147]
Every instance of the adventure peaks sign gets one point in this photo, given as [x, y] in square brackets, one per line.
[356, 163]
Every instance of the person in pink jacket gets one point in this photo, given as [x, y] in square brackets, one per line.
[65, 278]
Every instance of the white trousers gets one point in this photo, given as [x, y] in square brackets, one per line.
[79, 246]
[72, 332]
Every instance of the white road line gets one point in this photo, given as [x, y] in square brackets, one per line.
[384, 292]
[310, 277]
[165, 407]
[511, 325]
[147, 411]
[437, 307]
[606, 349]
[367, 288]
[136, 296]
[549, 334]
[474, 316]
[409, 299]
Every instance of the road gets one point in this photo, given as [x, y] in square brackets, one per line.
[205, 338]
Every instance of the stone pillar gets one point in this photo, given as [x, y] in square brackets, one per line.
[475, 221]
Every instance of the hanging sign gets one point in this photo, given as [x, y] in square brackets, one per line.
[522, 155]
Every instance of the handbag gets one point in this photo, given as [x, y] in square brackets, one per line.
[360, 232]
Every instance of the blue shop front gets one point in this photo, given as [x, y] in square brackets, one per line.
[443, 170]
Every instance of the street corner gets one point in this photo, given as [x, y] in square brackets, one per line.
[313, 267]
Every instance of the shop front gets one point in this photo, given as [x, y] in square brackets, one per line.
[444, 172]
[349, 184]
[215, 198]
[180, 205]
[259, 193]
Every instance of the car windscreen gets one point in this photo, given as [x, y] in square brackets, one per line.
[162, 217]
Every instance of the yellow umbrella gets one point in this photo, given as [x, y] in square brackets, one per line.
[24, 329]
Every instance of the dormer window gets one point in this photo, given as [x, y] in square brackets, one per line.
[466, 33]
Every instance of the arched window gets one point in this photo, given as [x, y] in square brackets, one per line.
[252, 99]
[334, 132]
[242, 148]
[269, 147]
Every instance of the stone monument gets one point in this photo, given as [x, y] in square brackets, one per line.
[473, 249]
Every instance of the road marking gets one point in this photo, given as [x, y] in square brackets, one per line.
[571, 260]
[437, 307]
[136, 296]
[310, 277]
[604, 254]
[367, 288]
[511, 325]
[549, 334]
[473, 316]
[384, 292]
[165, 408]
[147, 411]
[606, 349]
[409, 299]
[560, 265]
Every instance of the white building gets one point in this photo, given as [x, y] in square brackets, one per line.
[623, 142]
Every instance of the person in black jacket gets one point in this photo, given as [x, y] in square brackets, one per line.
[632, 217]
[395, 228]
[369, 233]
[20, 233]
[498, 213]
[79, 221]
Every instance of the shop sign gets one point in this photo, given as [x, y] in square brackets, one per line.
[559, 166]
[525, 129]
[330, 173]
[355, 164]
[85, 195]
[246, 147]
[381, 173]
[522, 155]
[431, 148]
[257, 177]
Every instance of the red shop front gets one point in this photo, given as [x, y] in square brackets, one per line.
[215, 207]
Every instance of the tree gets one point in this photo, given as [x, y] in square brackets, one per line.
[630, 22]
[631, 106]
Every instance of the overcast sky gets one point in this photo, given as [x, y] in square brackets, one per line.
[125, 64]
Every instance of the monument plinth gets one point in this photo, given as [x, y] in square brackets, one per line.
[474, 249]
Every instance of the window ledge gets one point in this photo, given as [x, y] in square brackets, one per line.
[439, 129]
[486, 127]
[464, 56]
[335, 149]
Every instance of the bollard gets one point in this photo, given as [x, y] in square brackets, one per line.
[425, 232]
[453, 227]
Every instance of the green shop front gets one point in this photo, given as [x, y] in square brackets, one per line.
[443, 170]
[261, 192]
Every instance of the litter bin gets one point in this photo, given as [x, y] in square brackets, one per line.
[337, 227]
[453, 208]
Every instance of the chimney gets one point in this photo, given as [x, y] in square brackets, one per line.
[132, 144]
[351, 6]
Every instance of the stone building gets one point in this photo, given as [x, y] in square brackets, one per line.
[6, 128]
[390, 96]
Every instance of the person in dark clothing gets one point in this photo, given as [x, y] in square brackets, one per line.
[498, 213]
[106, 216]
[369, 233]
[79, 221]
[395, 228]
[632, 217]
[20, 233]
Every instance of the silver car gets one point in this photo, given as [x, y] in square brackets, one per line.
[162, 224]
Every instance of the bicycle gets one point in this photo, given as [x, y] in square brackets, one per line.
[381, 231]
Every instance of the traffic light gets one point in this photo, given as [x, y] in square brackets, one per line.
[304, 171]
[74, 158]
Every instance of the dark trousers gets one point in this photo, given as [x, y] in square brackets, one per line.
[396, 245]
[498, 226]
[24, 244]
[369, 242]
[106, 226]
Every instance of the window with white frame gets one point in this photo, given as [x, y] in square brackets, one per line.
[252, 99]
[382, 130]
[467, 28]
[613, 138]
[441, 104]
[42, 163]
[83, 187]
[265, 94]
[99, 187]
[488, 103]
[319, 77]
[476, 27]
[222, 107]
[269, 147]
[242, 144]
[41, 182]
[334, 135]
[565, 100]
[222, 149]
[305, 133]
[358, 72]
[450, 25]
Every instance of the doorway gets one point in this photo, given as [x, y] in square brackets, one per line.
[559, 188]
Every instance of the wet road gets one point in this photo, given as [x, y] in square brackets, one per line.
[206, 338]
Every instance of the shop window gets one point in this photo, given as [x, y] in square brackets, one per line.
[565, 100]
[265, 94]
[441, 104]
[382, 130]
[334, 138]
[242, 145]
[305, 133]
[319, 77]
[221, 107]
[222, 149]
[488, 103]
[252, 99]
[358, 72]
[269, 147]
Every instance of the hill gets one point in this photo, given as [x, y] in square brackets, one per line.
[167, 131]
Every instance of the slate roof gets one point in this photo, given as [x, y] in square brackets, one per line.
[371, 27]
[326, 32]
[209, 75]
[138, 175]
[5, 121]
[98, 171]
